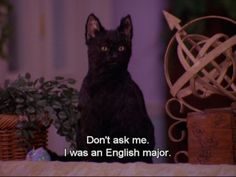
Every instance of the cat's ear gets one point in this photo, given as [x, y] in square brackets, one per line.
[93, 26]
[126, 27]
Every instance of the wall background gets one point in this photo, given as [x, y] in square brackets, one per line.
[49, 41]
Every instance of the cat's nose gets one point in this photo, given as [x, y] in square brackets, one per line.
[114, 55]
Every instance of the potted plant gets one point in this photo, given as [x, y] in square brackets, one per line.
[39, 102]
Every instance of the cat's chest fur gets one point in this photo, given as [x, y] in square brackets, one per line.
[106, 98]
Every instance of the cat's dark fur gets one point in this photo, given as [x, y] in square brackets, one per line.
[111, 103]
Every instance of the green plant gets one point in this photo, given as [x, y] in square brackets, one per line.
[40, 102]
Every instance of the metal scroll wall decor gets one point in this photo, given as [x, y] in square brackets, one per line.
[208, 68]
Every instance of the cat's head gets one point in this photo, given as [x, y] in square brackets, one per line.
[108, 48]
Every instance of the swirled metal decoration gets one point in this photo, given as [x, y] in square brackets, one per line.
[209, 65]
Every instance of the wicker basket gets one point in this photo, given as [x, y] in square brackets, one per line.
[10, 149]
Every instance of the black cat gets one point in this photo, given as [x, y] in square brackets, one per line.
[111, 103]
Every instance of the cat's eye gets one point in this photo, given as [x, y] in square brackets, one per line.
[121, 48]
[104, 48]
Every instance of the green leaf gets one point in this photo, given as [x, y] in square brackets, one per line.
[31, 110]
[71, 81]
[65, 132]
[66, 124]
[48, 84]
[19, 100]
[57, 105]
[30, 98]
[62, 115]
[63, 86]
[46, 123]
[19, 106]
[42, 102]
